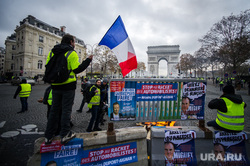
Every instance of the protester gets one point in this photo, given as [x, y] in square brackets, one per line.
[104, 100]
[94, 106]
[221, 84]
[23, 90]
[84, 89]
[63, 94]
[230, 111]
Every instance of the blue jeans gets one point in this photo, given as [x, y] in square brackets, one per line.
[24, 102]
[62, 101]
[95, 111]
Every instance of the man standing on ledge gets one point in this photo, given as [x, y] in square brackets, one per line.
[63, 94]
[230, 111]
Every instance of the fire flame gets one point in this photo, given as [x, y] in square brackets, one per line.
[161, 123]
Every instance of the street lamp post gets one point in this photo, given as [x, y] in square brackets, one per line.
[92, 49]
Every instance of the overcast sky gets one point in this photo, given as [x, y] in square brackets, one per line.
[148, 22]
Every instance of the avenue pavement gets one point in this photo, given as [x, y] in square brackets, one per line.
[16, 150]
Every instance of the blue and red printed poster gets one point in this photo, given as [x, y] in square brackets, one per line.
[73, 154]
[193, 100]
[229, 148]
[122, 103]
[156, 91]
[179, 148]
[112, 155]
[56, 153]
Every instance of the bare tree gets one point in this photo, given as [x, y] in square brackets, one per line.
[229, 38]
[187, 63]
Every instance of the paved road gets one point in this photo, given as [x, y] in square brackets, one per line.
[16, 151]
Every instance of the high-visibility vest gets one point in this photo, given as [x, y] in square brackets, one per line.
[95, 100]
[222, 82]
[71, 56]
[233, 119]
[25, 90]
[50, 98]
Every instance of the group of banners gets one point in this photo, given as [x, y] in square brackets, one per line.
[131, 100]
[229, 148]
[179, 149]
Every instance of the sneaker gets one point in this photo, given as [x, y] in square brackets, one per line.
[48, 141]
[97, 129]
[68, 137]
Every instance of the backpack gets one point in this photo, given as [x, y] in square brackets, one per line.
[56, 70]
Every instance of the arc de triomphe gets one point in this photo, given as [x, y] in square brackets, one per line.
[170, 53]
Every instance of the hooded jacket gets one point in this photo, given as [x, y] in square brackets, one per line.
[221, 105]
[76, 67]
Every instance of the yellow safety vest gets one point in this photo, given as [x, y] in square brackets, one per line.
[95, 100]
[26, 89]
[50, 98]
[233, 119]
[73, 63]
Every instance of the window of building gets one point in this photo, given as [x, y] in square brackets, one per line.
[40, 51]
[41, 39]
[13, 47]
[80, 51]
[40, 64]
[12, 66]
[12, 56]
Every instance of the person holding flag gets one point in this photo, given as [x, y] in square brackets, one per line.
[116, 38]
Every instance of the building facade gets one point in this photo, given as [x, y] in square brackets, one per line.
[27, 49]
[2, 59]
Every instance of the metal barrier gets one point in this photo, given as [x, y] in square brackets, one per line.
[156, 99]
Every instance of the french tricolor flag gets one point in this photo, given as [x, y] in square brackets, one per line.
[118, 41]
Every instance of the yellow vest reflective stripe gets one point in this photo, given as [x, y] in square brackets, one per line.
[72, 76]
[233, 119]
[50, 98]
[25, 91]
[95, 100]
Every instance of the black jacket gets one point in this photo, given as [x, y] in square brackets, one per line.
[220, 103]
[62, 49]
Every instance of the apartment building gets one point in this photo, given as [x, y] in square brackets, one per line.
[27, 49]
[2, 58]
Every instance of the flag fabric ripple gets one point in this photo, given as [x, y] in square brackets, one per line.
[116, 38]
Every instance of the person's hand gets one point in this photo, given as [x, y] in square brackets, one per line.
[40, 100]
[90, 57]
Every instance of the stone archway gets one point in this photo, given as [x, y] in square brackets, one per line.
[170, 53]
